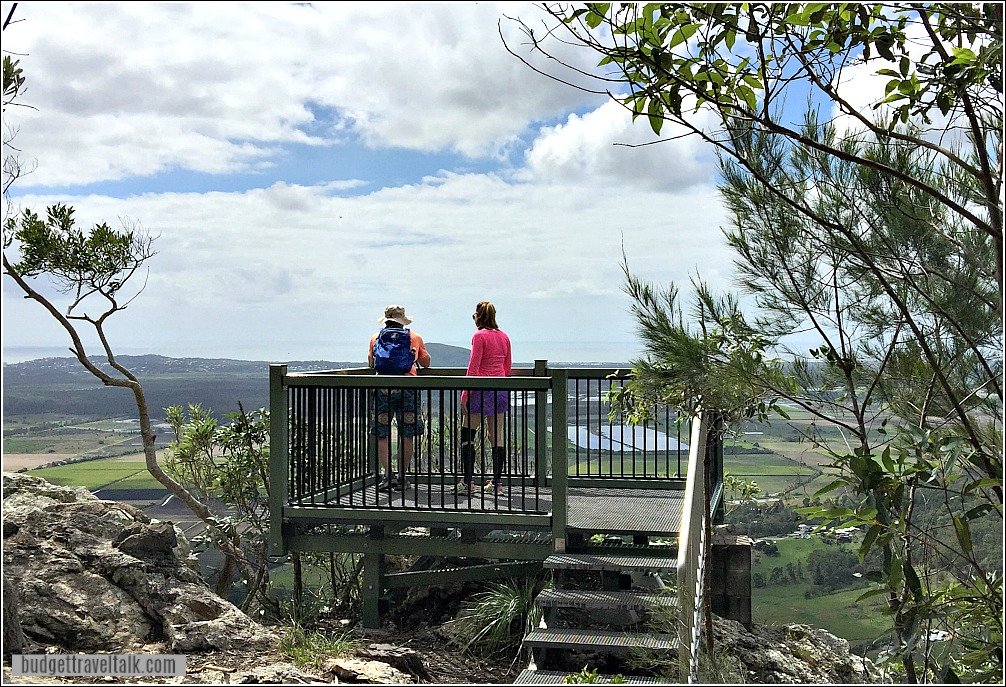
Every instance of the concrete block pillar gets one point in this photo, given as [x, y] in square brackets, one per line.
[730, 577]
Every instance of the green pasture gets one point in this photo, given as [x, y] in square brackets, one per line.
[763, 464]
[76, 443]
[839, 613]
[110, 425]
[790, 551]
[98, 474]
[797, 451]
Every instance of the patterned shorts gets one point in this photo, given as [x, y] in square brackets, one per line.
[406, 404]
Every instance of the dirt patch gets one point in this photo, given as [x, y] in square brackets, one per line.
[12, 462]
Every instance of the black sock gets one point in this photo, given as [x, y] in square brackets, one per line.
[499, 460]
[468, 453]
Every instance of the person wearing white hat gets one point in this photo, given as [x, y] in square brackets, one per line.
[396, 350]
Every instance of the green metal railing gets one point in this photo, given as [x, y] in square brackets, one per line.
[606, 447]
[324, 452]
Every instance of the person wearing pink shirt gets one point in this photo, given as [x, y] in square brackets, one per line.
[490, 357]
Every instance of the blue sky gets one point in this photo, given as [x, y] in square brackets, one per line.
[303, 165]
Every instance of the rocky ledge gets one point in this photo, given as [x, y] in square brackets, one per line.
[86, 575]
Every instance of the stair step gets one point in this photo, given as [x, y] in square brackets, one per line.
[611, 549]
[572, 561]
[597, 640]
[556, 677]
[636, 601]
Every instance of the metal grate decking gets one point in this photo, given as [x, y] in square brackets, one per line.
[625, 511]
[569, 561]
[567, 598]
[555, 677]
[653, 512]
[598, 640]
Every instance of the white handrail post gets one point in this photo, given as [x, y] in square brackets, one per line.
[690, 546]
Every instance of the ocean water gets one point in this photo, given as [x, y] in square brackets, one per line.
[615, 352]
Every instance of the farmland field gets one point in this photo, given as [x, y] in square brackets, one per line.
[99, 474]
[861, 623]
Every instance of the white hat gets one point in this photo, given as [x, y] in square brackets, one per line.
[395, 313]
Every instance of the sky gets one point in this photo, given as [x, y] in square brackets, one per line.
[304, 165]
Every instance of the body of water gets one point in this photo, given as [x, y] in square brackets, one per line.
[567, 352]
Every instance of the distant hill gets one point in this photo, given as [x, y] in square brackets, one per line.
[62, 386]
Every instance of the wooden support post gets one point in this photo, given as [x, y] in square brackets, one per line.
[279, 457]
[373, 583]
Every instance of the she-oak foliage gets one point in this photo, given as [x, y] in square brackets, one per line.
[882, 240]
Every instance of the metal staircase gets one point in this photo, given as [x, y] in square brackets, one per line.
[555, 637]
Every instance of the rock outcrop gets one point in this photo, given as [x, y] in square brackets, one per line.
[789, 654]
[95, 575]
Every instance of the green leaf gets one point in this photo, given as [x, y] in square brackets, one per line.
[912, 580]
[963, 56]
[983, 484]
[871, 593]
[655, 115]
[896, 573]
[868, 540]
[963, 534]
[978, 511]
[682, 34]
[750, 99]
[596, 14]
[797, 19]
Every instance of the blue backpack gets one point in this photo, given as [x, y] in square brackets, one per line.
[393, 351]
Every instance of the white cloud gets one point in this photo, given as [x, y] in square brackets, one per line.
[607, 147]
[127, 89]
[131, 89]
[864, 90]
[238, 265]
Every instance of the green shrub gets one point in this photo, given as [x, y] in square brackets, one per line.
[496, 620]
[311, 648]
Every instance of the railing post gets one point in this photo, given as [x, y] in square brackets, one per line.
[690, 545]
[279, 457]
[540, 427]
[559, 460]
